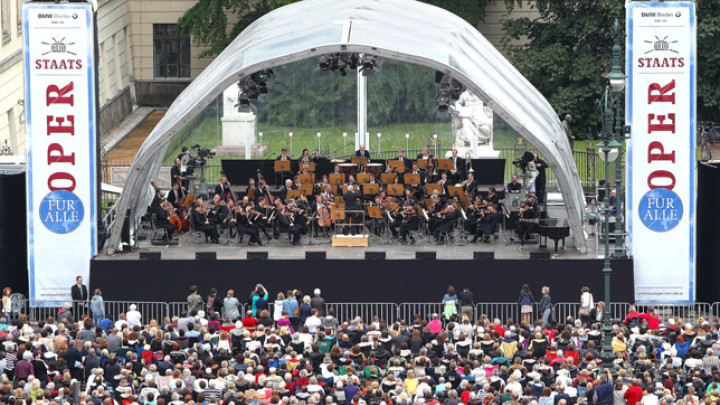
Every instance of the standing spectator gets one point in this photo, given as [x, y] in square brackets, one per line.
[261, 294]
[79, 295]
[467, 304]
[526, 301]
[213, 303]
[231, 306]
[97, 306]
[290, 306]
[451, 302]
[318, 302]
[587, 304]
[278, 306]
[305, 309]
[6, 303]
[545, 305]
[604, 390]
[194, 300]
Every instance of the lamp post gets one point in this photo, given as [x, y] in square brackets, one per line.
[379, 135]
[318, 137]
[615, 83]
[616, 80]
[606, 146]
[407, 142]
[345, 143]
[290, 135]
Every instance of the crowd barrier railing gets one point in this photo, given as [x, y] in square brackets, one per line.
[37, 311]
[407, 311]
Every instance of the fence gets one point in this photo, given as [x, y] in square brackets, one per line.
[37, 311]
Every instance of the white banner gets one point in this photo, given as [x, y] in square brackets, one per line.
[661, 154]
[61, 152]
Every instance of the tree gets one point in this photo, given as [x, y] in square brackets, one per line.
[207, 21]
[567, 51]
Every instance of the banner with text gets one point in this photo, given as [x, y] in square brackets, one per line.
[61, 152]
[661, 153]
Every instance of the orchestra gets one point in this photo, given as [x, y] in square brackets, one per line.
[425, 194]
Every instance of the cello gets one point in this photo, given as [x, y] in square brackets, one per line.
[324, 220]
[173, 218]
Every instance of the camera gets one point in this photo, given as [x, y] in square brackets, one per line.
[202, 155]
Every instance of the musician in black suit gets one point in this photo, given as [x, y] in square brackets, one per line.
[446, 223]
[223, 189]
[487, 223]
[424, 155]
[362, 152]
[79, 294]
[456, 173]
[401, 157]
[163, 218]
[471, 185]
[289, 186]
[351, 203]
[283, 155]
[526, 223]
[176, 195]
[202, 224]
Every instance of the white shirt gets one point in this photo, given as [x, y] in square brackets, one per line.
[133, 319]
[312, 322]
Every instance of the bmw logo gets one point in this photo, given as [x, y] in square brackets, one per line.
[678, 14]
[74, 16]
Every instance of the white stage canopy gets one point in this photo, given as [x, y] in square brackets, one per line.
[405, 30]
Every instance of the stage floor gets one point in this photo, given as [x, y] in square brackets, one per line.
[503, 248]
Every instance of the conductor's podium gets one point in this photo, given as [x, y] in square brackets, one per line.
[350, 240]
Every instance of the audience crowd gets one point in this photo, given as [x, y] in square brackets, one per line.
[297, 352]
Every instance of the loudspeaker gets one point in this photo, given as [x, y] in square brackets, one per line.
[483, 255]
[540, 254]
[374, 255]
[205, 255]
[150, 255]
[262, 255]
[315, 255]
[427, 255]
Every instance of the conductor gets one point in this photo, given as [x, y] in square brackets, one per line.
[351, 203]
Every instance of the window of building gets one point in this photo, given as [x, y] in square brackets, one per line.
[171, 52]
[19, 16]
[5, 16]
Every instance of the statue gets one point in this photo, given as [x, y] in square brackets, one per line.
[472, 124]
[565, 124]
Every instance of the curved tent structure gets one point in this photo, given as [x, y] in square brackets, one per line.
[405, 30]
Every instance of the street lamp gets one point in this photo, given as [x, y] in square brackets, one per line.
[609, 108]
[345, 143]
[407, 142]
[379, 135]
[616, 80]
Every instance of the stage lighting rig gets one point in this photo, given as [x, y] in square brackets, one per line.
[369, 65]
[251, 87]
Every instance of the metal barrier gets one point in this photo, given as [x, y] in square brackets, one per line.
[387, 312]
[690, 313]
[37, 311]
[407, 311]
[500, 310]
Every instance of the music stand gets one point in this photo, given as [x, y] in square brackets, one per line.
[334, 189]
[310, 166]
[250, 194]
[307, 189]
[359, 160]
[189, 200]
[292, 194]
[397, 165]
[344, 188]
[388, 178]
[422, 163]
[337, 178]
[412, 178]
[308, 178]
[337, 215]
[444, 164]
[428, 202]
[363, 177]
[464, 201]
[455, 191]
[281, 167]
[370, 189]
[396, 190]
[430, 188]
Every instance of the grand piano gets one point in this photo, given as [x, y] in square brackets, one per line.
[555, 229]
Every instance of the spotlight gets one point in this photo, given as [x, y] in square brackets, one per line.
[324, 62]
[443, 100]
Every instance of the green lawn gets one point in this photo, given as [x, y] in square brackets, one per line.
[208, 132]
